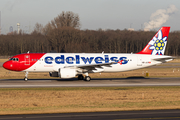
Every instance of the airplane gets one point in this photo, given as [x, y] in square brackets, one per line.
[70, 65]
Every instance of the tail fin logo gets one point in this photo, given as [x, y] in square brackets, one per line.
[158, 44]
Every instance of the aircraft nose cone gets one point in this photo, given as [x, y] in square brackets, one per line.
[7, 65]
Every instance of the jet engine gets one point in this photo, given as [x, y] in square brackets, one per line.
[67, 73]
[64, 73]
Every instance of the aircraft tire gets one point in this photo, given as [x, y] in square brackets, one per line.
[80, 77]
[25, 79]
[87, 78]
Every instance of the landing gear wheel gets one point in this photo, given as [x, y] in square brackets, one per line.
[25, 79]
[80, 77]
[87, 78]
[26, 76]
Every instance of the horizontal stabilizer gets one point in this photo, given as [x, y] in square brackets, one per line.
[166, 59]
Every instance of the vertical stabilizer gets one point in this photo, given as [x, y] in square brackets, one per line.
[157, 44]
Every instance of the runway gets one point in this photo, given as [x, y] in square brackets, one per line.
[95, 82]
[119, 115]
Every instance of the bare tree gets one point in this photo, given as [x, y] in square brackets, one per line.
[38, 29]
[66, 19]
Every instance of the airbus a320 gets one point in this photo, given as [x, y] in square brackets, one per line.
[69, 65]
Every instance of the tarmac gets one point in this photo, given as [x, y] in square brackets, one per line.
[117, 115]
[95, 82]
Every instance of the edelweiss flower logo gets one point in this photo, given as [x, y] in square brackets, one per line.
[158, 44]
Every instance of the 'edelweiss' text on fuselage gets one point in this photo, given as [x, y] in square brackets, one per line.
[87, 60]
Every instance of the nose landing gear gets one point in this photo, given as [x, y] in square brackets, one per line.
[26, 76]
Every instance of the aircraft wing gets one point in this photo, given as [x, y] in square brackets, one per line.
[88, 67]
[93, 66]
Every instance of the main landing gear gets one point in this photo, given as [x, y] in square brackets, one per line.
[81, 77]
[87, 78]
[26, 76]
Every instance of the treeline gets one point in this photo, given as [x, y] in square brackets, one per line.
[62, 34]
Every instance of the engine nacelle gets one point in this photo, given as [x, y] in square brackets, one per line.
[53, 74]
[67, 73]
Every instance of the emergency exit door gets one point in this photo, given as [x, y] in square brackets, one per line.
[27, 59]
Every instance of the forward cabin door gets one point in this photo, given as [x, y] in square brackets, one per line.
[139, 60]
[27, 59]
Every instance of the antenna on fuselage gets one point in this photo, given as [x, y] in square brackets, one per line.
[102, 52]
[28, 52]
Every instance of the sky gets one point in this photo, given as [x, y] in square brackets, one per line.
[94, 14]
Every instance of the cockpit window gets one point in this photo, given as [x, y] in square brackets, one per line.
[14, 59]
[17, 59]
